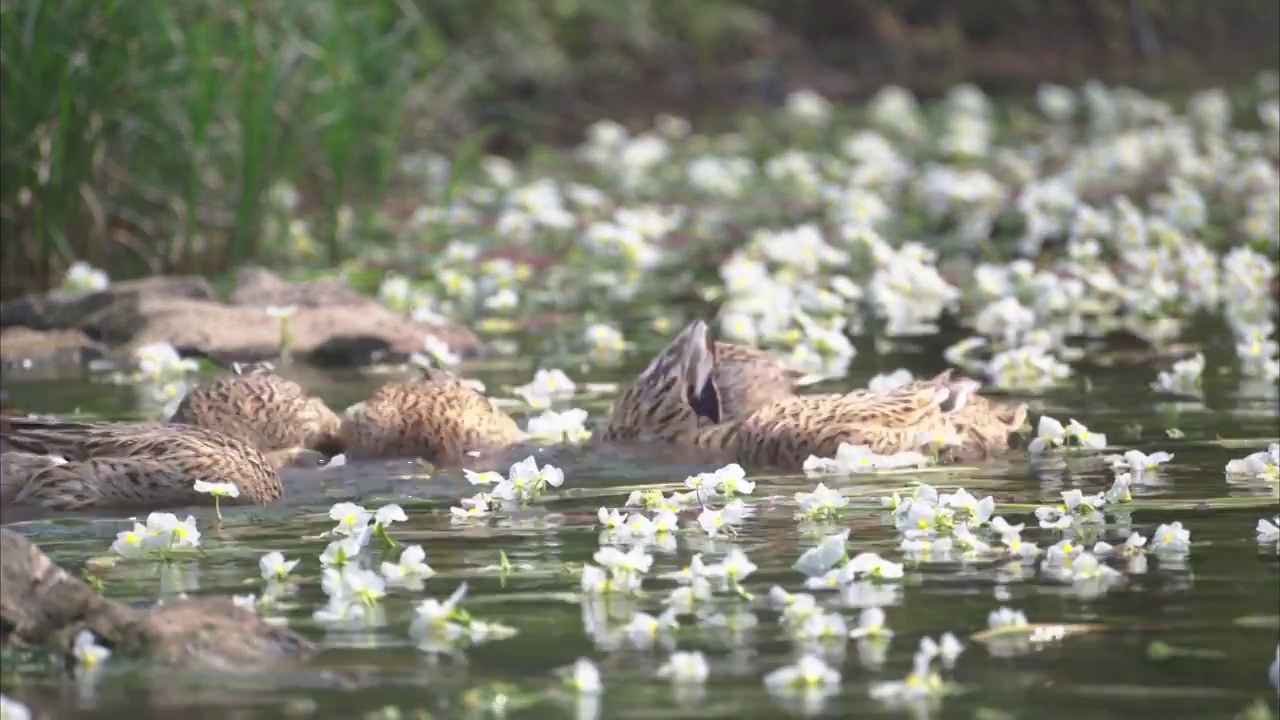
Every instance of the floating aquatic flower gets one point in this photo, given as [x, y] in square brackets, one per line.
[584, 678]
[1049, 434]
[1171, 540]
[685, 668]
[1263, 465]
[275, 568]
[87, 652]
[1185, 378]
[339, 553]
[818, 560]
[526, 481]
[218, 491]
[822, 504]
[1004, 617]
[83, 276]
[352, 518]
[1138, 463]
[644, 629]
[871, 624]
[410, 570]
[11, 709]
[1269, 532]
[568, 426]
[809, 672]
[547, 385]
[469, 508]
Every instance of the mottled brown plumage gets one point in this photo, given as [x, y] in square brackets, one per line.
[261, 408]
[749, 378]
[676, 400]
[129, 465]
[436, 418]
[41, 604]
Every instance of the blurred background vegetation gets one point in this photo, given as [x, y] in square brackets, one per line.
[144, 135]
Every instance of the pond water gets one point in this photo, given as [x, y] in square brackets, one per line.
[1217, 609]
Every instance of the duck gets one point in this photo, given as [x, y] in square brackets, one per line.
[67, 465]
[435, 417]
[257, 406]
[41, 604]
[676, 400]
[747, 378]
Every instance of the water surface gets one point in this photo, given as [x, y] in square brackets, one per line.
[1198, 605]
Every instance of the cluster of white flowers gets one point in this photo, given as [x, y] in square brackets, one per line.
[161, 535]
[525, 482]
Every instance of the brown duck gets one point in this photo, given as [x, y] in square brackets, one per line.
[125, 465]
[257, 406]
[436, 418]
[677, 399]
[43, 605]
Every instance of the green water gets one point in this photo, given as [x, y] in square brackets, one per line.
[1197, 606]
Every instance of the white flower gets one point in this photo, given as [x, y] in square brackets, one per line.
[221, 489]
[610, 519]
[167, 533]
[1137, 463]
[822, 503]
[808, 106]
[475, 506]
[88, 653]
[438, 350]
[83, 276]
[1261, 465]
[1269, 530]
[132, 543]
[340, 552]
[1085, 438]
[551, 384]
[567, 426]
[685, 667]
[585, 678]
[875, 567]
[352, 518]
[526, 481]
[1172, 539]
[410, 570]
[388, 514]
[871, 624]
[485, 478]
[11, 709]
[274, 567]
[808, 672]
[1049, 434]
[818, 560]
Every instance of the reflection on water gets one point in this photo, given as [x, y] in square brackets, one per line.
[1196, 604]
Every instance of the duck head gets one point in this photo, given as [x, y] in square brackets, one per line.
[674, 395]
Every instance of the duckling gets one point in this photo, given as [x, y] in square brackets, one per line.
[436, 418]
[676, 400]
[127, 465]
[259, 407]
[43, 604]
